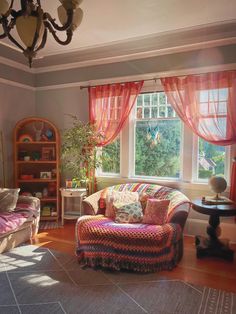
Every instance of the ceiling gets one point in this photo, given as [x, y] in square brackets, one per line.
[112, 29]
[112, 21]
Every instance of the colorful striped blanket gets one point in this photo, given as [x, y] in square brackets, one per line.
[140, 247]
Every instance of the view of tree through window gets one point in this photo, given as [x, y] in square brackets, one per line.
[157, 137]
[211, 160]
[111, 157]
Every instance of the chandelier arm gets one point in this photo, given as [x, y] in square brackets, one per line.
[44, 39]
[6, 29]
[70, 14]
[69, 34]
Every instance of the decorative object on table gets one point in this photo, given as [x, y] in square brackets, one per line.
[45, 175]
[218, 185]
[68, 183]
[32, 24]
[79, 152]
[26, 138]
[38, 128]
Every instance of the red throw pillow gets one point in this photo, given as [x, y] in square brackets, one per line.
[102, 202]
[156, 211]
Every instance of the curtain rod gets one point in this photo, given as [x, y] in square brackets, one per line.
[157, 78]
[145, 80]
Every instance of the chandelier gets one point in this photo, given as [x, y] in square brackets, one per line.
[32, 24]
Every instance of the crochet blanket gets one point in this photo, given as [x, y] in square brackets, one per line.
[140, 247]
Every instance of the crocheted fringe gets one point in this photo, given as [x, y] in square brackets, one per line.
[98, 262]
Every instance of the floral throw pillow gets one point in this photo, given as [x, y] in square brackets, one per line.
[124, 197]
[156, 211]
[8, 199]
[128, 213]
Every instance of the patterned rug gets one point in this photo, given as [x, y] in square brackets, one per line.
[43, 225]
[39, 280]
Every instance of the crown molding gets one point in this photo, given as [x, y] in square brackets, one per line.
[150, 76]
[16, 84]
[134, 56]
[16, 65]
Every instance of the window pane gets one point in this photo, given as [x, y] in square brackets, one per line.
[157, 148]
[211, 160]
[111, 158]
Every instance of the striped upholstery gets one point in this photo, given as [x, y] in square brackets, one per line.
[139, 247]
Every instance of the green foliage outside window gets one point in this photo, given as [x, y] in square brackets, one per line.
[111, 157]
[162, 159]
[213, 153]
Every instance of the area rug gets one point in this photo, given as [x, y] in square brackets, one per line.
[38, 280]
[43, 225]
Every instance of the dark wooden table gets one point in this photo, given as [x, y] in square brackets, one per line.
[211, 245]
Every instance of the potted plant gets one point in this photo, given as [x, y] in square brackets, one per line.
[78, 153]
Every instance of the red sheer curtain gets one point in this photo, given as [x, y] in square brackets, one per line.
[110, 106]
[207, 104]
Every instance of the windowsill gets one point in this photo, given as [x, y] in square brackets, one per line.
[175, 183]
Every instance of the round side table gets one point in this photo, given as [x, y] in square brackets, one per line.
[211, 245]
[71, 193]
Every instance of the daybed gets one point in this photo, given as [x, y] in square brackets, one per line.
[139, 247]
[20, 225]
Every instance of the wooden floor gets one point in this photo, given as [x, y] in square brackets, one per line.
[211, 272]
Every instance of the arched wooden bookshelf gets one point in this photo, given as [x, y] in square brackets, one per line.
[36, 163]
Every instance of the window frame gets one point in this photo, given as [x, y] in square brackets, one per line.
[188, 154]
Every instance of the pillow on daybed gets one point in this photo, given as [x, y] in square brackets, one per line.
[8, 199]
[156, 211]
[125, 197]
[128, 213]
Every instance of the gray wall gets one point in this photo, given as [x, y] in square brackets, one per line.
[56, 104]
[15, 103]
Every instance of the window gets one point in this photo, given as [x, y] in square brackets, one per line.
[111, 158]
[157, 137]
[212, 102]
[211, 160]
[155, 144]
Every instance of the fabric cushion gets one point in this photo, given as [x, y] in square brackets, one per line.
[128, 213]
[124, 197]
[156, 211]
[8, 199]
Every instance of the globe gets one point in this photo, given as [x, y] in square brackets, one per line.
[218, 184]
